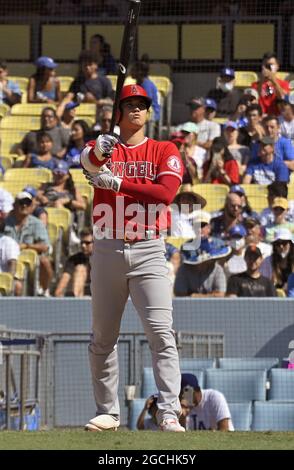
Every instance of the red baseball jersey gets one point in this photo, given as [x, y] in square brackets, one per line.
[268, 97]
[142, 164]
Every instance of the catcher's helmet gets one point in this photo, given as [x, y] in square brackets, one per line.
[134, 91]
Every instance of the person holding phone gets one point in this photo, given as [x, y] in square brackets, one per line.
[270, 88]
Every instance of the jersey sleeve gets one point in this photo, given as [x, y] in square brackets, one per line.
[220, 406]
[170, 162]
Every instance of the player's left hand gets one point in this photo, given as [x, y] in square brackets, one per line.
[104, 180]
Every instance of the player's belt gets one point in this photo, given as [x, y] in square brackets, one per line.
[128, 237]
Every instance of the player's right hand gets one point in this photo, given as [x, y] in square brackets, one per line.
[105, 144]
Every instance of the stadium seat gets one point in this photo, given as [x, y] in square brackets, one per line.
[281, 384]
[31, 259]
[244, 79]
[86, 109]
[241, 415]
[176, 241]
[257, 196]
[65, 82]
[32, 176]
[291, 189]
[249, 363]
[4, 109]
[13, 187]
[136, 406]
[148, 382]
[196, 364]
[55, 237]
[215, 195]
[9, 140]
[6, 162]
[62, 217]
[29, 109]
[273, 416]
[78, 175]
[6, 284]
[282, 75]
[22, 273]
[236, 385]
[163, 84]
[27, 123]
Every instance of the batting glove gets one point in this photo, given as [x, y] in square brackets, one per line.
[104, 180]
[104, 145]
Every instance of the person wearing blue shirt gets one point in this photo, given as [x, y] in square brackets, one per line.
[139, 72]
[290, 288]
[267, 168]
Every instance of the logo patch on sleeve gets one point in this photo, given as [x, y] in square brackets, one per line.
[174, 163]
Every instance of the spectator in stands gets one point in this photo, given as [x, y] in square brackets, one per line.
[287, 121]
[276, 190]
[6, 202]
[102, 54]
[80, 134]
[225, 94]
[29, 232]
[192, 150]
[280, 209]
[221, 167]
[103, 121]
[247, 210]
[210, 111]
[228, 217]
[267, 168]
[43, 158]
[207, 131]
[186, 205]
[62, 191]
[150, 407]
[209, 409]
[66, 112]
[90, 86]
[280, 264]
[190, 168]
[44, 86]
[251, 283]
[254, 236]
[284, 150]
[240, 153]
[9, 248]
[270, 88]
[10, 93]
[37, 210]
[200, 275]
[173, 261]
[140, 72]
[77, 269]
[236, 240]
[239, 115]
[254, 130]
[290, 287]
[49, 124]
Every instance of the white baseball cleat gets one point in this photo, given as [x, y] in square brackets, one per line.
[103, 423]
[171, 424]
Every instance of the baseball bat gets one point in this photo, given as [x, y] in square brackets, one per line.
[125, 53]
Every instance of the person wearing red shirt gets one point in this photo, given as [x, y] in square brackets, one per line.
[137, 175]
[221, 168]
[270, 88]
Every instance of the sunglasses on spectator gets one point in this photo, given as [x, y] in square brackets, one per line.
[84, 242]
[238, 206]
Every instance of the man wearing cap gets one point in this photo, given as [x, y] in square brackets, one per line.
[210, 113]
[66, 112]
[30, 232]
[267, 168]
[251, 283]
[236, 240]
[225, 94]
[276, 189]
[231, 215]
[209, 408]
[207, 131]
[280, 209]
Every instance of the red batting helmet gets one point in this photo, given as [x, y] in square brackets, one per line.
[134, 91]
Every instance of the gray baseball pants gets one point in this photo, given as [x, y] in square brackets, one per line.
[120, 269]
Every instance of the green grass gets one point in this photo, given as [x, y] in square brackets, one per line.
[70, 439]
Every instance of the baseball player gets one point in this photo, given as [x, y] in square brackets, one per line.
[136, 173]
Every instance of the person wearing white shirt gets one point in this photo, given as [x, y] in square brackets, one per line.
[9, 248]
[287, 121]
[209, 409]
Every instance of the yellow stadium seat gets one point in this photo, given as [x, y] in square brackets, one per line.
[22, 274]
[55, 237]
[13, 187]
[87, 109]
[257, 196]
[32, 176]
[113, 79]
[282, 75]
[281, 293]
[291, 190]
[214, 194]
[4, 109]
[6, 284]
[164, 85]
[26, 123]
[78, 175]
[244, 78]
[30, 109]
[90, 120]
[220, 120]
[65, 83]
[31, 260]
[176, 241]
[9, 140]
[21, 81]
[61, 217]
[6, 162]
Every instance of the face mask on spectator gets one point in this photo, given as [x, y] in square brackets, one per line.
[226, 87]
[237, 243]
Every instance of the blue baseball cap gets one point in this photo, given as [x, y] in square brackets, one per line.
[227, 72]
[237, 189]
[238, 231]
[189, 380]
[210, 103]
[71, 105]
[232, 124]
[45, 61]
[31, 190]
[61, 167]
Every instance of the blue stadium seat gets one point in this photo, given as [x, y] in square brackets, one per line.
[148, 382]
[273, 416]
[281, 384]
[236, 385]
[241, 415]
[249, 363]
[196, 364]
[136, 407]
